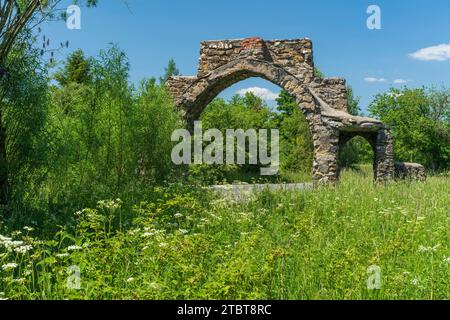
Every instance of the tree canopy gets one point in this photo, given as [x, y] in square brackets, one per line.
[419, 119]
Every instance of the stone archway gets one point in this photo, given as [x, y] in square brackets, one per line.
[288, 64]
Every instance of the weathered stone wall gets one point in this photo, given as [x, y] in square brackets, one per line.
[333, 91]
[384, 156]
[294, 55]
[410, 171]
[177, 86]
[289, 64]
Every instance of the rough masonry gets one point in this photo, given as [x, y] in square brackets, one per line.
[288, 64]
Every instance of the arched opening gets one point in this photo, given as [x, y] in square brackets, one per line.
[257, 104]
[357, 155]
[204, 90]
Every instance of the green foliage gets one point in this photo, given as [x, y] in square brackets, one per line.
[241, 112]
[353, 102]
[95, 136]
[247, 112]
[357, 150]
[169, 71]
[108, 136]
[77, 69]
[319, 74]
[419, 119]
[296, 145]
[23, 109]
[183, 243]
[154, 121]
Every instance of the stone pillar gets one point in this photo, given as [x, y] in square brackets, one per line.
[326, 150]
[384, 156]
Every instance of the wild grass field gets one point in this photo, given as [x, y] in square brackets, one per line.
[94, 205]
[185, 243]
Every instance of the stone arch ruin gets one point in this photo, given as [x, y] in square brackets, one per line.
[288, 64]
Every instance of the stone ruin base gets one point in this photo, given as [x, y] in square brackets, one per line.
[410, 171]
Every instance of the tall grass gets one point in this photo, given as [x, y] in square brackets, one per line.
[185, 244]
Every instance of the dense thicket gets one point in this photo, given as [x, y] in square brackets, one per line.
[90, 135]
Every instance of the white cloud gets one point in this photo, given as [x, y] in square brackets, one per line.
[440, 52]
[371, 79]
[263, 93]
[400, 81]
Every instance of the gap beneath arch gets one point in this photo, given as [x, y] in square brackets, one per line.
[256, 103]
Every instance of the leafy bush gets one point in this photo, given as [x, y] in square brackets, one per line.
[420, 122]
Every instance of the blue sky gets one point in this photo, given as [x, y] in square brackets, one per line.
[153, 31]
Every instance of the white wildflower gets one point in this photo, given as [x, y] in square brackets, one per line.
[23, 249]
[178, 215]
[74, 248]
[29, 229]
[9, 266]
[154, 285]
[79, 213]
[183, 231]
[423, 249]
[17, 243]
[62, 255]
[134, 231]
[9, 244]
[130, 279]
[110, 204]
[19, 281]
[4, 239]
[215, 216]
[150, 232]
